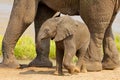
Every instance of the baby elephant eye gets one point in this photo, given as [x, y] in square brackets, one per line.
[46, 30]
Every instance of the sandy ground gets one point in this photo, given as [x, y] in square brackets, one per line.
[33, 73]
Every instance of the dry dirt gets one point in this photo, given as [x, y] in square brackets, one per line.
[33, 73]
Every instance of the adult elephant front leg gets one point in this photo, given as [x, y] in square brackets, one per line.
[22, 16]
[98, 19]
[42, 58]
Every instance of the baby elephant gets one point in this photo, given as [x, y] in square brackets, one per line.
[71, 38]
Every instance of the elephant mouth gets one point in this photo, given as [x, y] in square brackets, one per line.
[54, 34]
[52, 38]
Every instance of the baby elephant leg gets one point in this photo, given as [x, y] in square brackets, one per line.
[59, 60]
[81, 63]
[67, 61]
[80, 66]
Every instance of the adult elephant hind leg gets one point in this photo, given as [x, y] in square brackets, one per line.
[111, 56]
[42, 58]
[98, 19]
[22, 16]
[93, 56]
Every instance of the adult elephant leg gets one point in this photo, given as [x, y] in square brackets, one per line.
[111, 57]
[42, 58]
[22, 16]
[98, 19]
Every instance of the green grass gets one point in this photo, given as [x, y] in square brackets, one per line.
[25, 48]
[117, 41]
[52, 50]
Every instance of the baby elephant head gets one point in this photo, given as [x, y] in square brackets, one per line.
[47, 30]
[55, 28]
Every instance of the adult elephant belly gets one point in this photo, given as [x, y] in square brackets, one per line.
[70, 7]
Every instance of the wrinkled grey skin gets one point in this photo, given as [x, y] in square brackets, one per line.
[97, 14]
[71, 37]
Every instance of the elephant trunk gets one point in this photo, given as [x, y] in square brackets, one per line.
[40, 37]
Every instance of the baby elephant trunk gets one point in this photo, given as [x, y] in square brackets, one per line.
[40, 37]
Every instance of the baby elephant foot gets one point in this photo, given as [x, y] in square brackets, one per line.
[77, 70]
[74, 70]
[82, 68]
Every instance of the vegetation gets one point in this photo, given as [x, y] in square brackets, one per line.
[25, 48]
[117, 41]
[52, 50]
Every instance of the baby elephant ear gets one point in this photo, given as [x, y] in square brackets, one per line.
[63, 31]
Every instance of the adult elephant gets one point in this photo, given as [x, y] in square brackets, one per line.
[97, 14]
